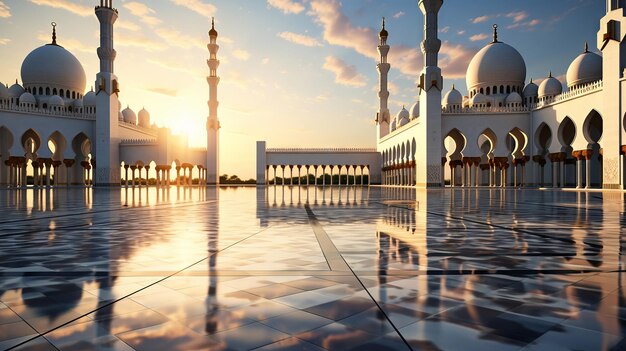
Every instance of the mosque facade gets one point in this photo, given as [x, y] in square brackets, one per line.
[505, 131]
[54, 132]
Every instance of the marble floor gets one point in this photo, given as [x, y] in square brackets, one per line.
[297, 268]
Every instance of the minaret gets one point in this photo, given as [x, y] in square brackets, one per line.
[610, 42]
[213, 123]
[107, 165]
[383, 116]
[428, 156]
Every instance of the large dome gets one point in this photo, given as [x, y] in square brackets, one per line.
[497, 64]
[586, 68]
[51, 66]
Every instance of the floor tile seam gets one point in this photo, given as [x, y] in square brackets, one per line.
[122, 208]
[332, 255]
[311, 215]
[132, 293]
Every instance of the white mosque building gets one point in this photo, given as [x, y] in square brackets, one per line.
[52, 130]
[506, 131]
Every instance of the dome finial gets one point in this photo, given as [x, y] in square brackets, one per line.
[495, 33]
[586, 47]
[212, 22]
[383, 22]
[54, 33]
[213, 32]
[452, 86]
[550, 76]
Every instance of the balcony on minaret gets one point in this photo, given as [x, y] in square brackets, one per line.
[106, 4]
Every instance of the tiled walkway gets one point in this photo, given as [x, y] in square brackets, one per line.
[284, 268]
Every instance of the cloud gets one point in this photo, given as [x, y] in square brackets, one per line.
[201, 8]
[454, 59]
[445, 29]
[478, 37]
[300, 39]
[71, 45]
[175, 38]
[175, 66]
[4, 41]
[398, 15]
[286, 6]
[122, 24]
[530, 25]
[265, 61]
[344, 74]
[480, 19]
[140, 41]
[461, 32]
[5, 11]
[142, 11]
[518, 16]
[67, 5]
[163, 91]
[241, 55]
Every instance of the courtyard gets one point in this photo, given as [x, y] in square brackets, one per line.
[311, 268]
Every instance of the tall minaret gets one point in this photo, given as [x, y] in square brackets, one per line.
[613, 47]
[213, 123]
[383, 116]
[107, 165]
[428, 157]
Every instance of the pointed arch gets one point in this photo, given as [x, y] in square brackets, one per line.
[81, 144]
[455, 143]
[543, 138]
[31, 142]
[59, 144]
[592, 127]
[520, 140]
[566, 133]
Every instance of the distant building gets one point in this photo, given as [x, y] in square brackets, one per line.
[504, 131]
[92, 140]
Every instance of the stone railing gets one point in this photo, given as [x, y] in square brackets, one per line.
[313, 150]
[578, 91]
[138, 142]
[485, 109]
[47, 112]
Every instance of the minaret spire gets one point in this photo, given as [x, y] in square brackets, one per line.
[495, 33]
[213, 123]
[54, 33]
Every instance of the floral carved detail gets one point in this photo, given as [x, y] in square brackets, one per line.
[610, 170]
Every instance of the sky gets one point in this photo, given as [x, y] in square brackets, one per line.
[295, 73]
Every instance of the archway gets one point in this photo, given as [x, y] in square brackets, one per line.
[487, 143]
[592, 131]
[6, 142]
[455, 143]
[81, 170]
[566, 135]
[31, 142]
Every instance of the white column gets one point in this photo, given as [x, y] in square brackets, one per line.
[588, 171]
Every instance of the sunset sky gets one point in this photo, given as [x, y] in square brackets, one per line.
[298, 73]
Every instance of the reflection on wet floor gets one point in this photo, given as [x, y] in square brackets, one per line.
[311, 268]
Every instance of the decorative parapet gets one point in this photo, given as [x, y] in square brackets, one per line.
[47, 112]
[138, 142]
[576, 92]
[484, 110]
[313, 150]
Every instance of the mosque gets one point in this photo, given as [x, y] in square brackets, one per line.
[505, 131]
[54, 132]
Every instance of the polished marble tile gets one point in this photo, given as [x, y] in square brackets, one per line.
[243, 268]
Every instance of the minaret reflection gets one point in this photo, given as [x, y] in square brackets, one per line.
[211, 303]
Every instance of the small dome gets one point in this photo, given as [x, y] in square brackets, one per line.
[513, 98]
[415, 110]
[89, 100]
[129, 116]
[144, 118]
[478, 99]
[27, 99]
[530, 90]
[586, 68]
[383, 33]
[213, 32]
[393, 125]
[453, 97]
[78, 103]
[550, 87]
[403, 114]
[56, 101]
[4, 92]
[496, 64]
[16, 90]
